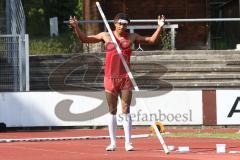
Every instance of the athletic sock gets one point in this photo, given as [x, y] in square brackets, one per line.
[127, 126]
[112, 127]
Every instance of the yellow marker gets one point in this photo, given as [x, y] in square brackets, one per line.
[160, 127]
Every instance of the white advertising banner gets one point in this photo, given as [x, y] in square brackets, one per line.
[228, 107]
[25, 109]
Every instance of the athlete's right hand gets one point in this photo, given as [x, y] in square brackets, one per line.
[73, 22]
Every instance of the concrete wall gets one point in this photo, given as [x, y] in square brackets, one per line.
[156, 69]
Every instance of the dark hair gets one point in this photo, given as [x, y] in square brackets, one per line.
[121, 16]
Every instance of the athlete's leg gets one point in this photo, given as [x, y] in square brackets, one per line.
[112, 122]
[126, 97]
[112, 100]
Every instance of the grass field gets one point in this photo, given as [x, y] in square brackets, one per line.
[206, 135]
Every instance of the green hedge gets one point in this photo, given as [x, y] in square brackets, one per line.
[65, 43]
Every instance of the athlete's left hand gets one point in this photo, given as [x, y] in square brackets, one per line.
[161, 20]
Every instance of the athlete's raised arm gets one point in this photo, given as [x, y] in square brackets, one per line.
[82, 36]
[155, 36]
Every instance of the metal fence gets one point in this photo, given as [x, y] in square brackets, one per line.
[13, 63]
[14, 50]
[216, 36]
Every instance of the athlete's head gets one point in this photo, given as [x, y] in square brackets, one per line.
[122, 18]
[121, 21]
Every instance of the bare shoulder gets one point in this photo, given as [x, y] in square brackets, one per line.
[105, 36]
[133, 36]
[100, 35]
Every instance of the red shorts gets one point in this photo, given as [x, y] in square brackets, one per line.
[116, 85]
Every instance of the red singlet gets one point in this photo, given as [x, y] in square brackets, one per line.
[113, 64]
[116, 77]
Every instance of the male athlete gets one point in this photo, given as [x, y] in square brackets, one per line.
[116, 80]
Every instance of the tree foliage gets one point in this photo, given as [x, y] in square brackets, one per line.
[38, 13]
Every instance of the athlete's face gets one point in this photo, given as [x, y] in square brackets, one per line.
[120, 27]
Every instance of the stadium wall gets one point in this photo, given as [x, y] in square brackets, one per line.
[176, 107]
[182, 88]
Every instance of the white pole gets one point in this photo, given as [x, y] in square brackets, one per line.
[130, 75]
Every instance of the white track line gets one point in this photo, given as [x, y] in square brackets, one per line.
[67, 138]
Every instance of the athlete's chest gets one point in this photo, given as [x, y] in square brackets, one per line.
[123, 42]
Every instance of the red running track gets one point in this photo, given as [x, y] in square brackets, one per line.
[145, 148]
